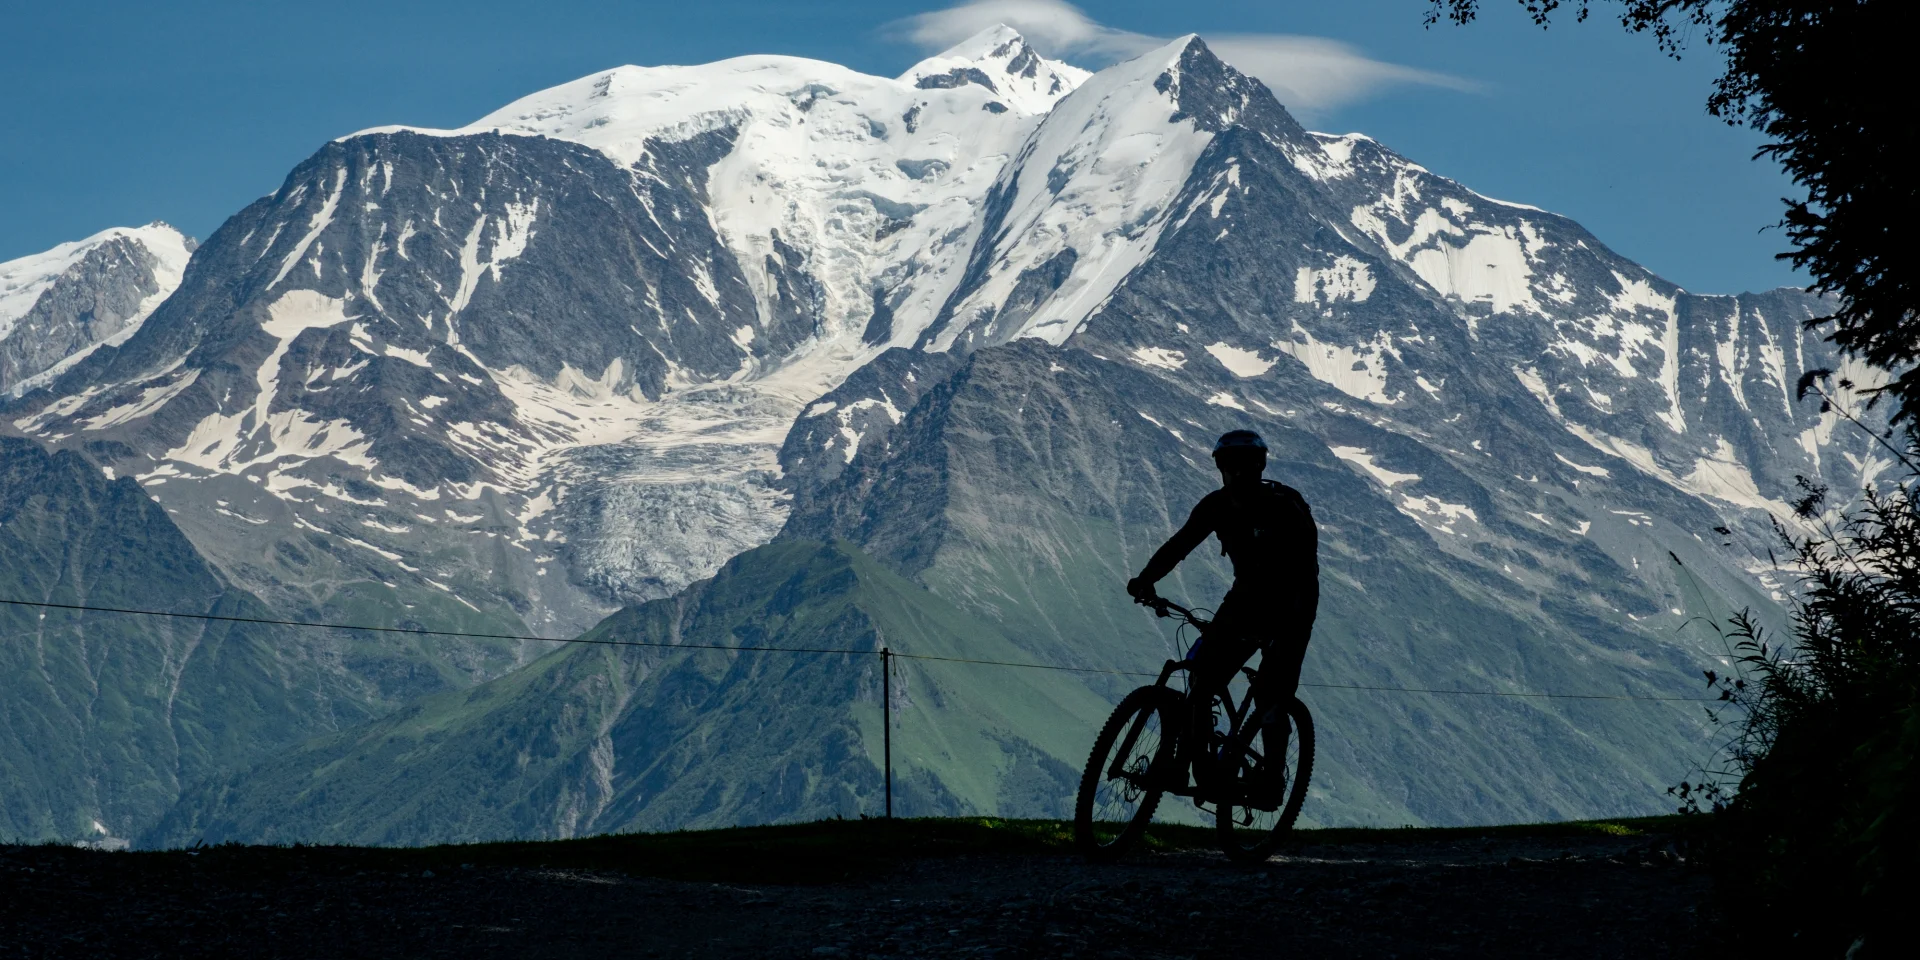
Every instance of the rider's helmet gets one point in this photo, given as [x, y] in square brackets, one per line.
[1240, 448]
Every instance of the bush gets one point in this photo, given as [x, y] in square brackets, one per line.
[1822, 821]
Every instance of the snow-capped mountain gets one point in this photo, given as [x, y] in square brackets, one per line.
[543, 364]
[57, 306]
[979, 321]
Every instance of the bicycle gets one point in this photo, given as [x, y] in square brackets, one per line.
[1146, 750]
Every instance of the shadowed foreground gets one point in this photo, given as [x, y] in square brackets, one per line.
[987, 888]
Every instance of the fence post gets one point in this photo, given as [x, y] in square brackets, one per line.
[886, 716]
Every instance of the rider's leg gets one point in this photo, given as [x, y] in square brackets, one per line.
[1279, 682]
[1223, 650]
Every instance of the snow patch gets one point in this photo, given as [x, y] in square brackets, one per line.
[1434, 511]
[1358, 371]
[1360, 457]
[1162, 357]
[1491, 269]
[416, 357]
[1334, 159]
[511, 233]
[1718, 474]
[1635, 295]
[321, 219]
[1347, 279]
[150, 401]
[234, 442]
[1590, 471]
[1240, 362]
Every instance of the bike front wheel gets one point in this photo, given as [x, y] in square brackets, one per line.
[1126, 772]
[1263, 785]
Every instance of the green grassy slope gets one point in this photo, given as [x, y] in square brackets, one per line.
[104, 718]
[1032, 514]
[593, 738]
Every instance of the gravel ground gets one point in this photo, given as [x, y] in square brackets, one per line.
[1460, 895]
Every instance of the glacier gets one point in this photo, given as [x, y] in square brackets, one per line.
[583, 353]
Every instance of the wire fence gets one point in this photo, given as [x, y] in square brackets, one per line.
[886, 655]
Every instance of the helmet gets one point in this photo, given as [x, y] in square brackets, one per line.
[1239, 443]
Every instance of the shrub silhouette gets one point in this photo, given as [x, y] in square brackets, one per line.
[1822, 821]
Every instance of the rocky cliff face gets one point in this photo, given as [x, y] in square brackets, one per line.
[57, 306]
[982, 322]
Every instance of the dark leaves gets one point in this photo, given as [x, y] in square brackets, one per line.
[1807, 380]
[1812, 495]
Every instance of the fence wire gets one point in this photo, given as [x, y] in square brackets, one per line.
[421, 631]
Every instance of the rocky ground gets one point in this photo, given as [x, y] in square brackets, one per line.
[1614, 892]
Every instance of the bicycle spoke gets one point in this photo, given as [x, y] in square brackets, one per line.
[1130, 776]
[1262, 799]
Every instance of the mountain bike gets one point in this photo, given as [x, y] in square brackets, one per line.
[1150, 747]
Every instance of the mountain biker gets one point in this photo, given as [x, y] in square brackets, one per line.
[1266, 529]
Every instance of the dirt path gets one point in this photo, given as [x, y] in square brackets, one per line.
[1595, 896]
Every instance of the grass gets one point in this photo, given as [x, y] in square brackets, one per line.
[824, 851]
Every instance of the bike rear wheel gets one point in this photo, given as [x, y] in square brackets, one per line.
[1260, 801]
[1126, 772]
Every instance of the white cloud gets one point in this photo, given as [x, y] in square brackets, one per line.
[1315, 75]
[1310, 75]
[1057, 28]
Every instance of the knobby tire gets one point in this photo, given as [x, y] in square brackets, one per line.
[1098, 838]
[1254, 842]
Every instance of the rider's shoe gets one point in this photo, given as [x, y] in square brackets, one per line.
[1206, 765]
[1266, 789]
[1266, 786]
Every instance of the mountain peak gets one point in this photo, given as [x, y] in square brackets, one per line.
[999, 39]
[62, 302]
[999, 59]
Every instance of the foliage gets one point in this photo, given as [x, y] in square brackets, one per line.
[1820, 79]
[1825, 735]
[1817, 805]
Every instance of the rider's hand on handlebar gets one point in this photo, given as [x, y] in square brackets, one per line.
[1142, 591]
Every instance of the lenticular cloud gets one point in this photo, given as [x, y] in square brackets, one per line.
[1311, 75]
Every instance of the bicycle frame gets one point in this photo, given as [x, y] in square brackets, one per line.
[1252, 788]
[1236, 712]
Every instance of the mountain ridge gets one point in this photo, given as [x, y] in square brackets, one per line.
[58, 305]
[534, 381]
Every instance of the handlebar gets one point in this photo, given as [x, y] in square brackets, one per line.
[1167, 608]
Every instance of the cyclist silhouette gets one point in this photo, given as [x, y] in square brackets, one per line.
[1266, 529]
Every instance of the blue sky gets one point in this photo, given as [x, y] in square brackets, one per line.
[122, 113]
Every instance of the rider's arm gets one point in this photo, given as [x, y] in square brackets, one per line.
[1199, 524]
